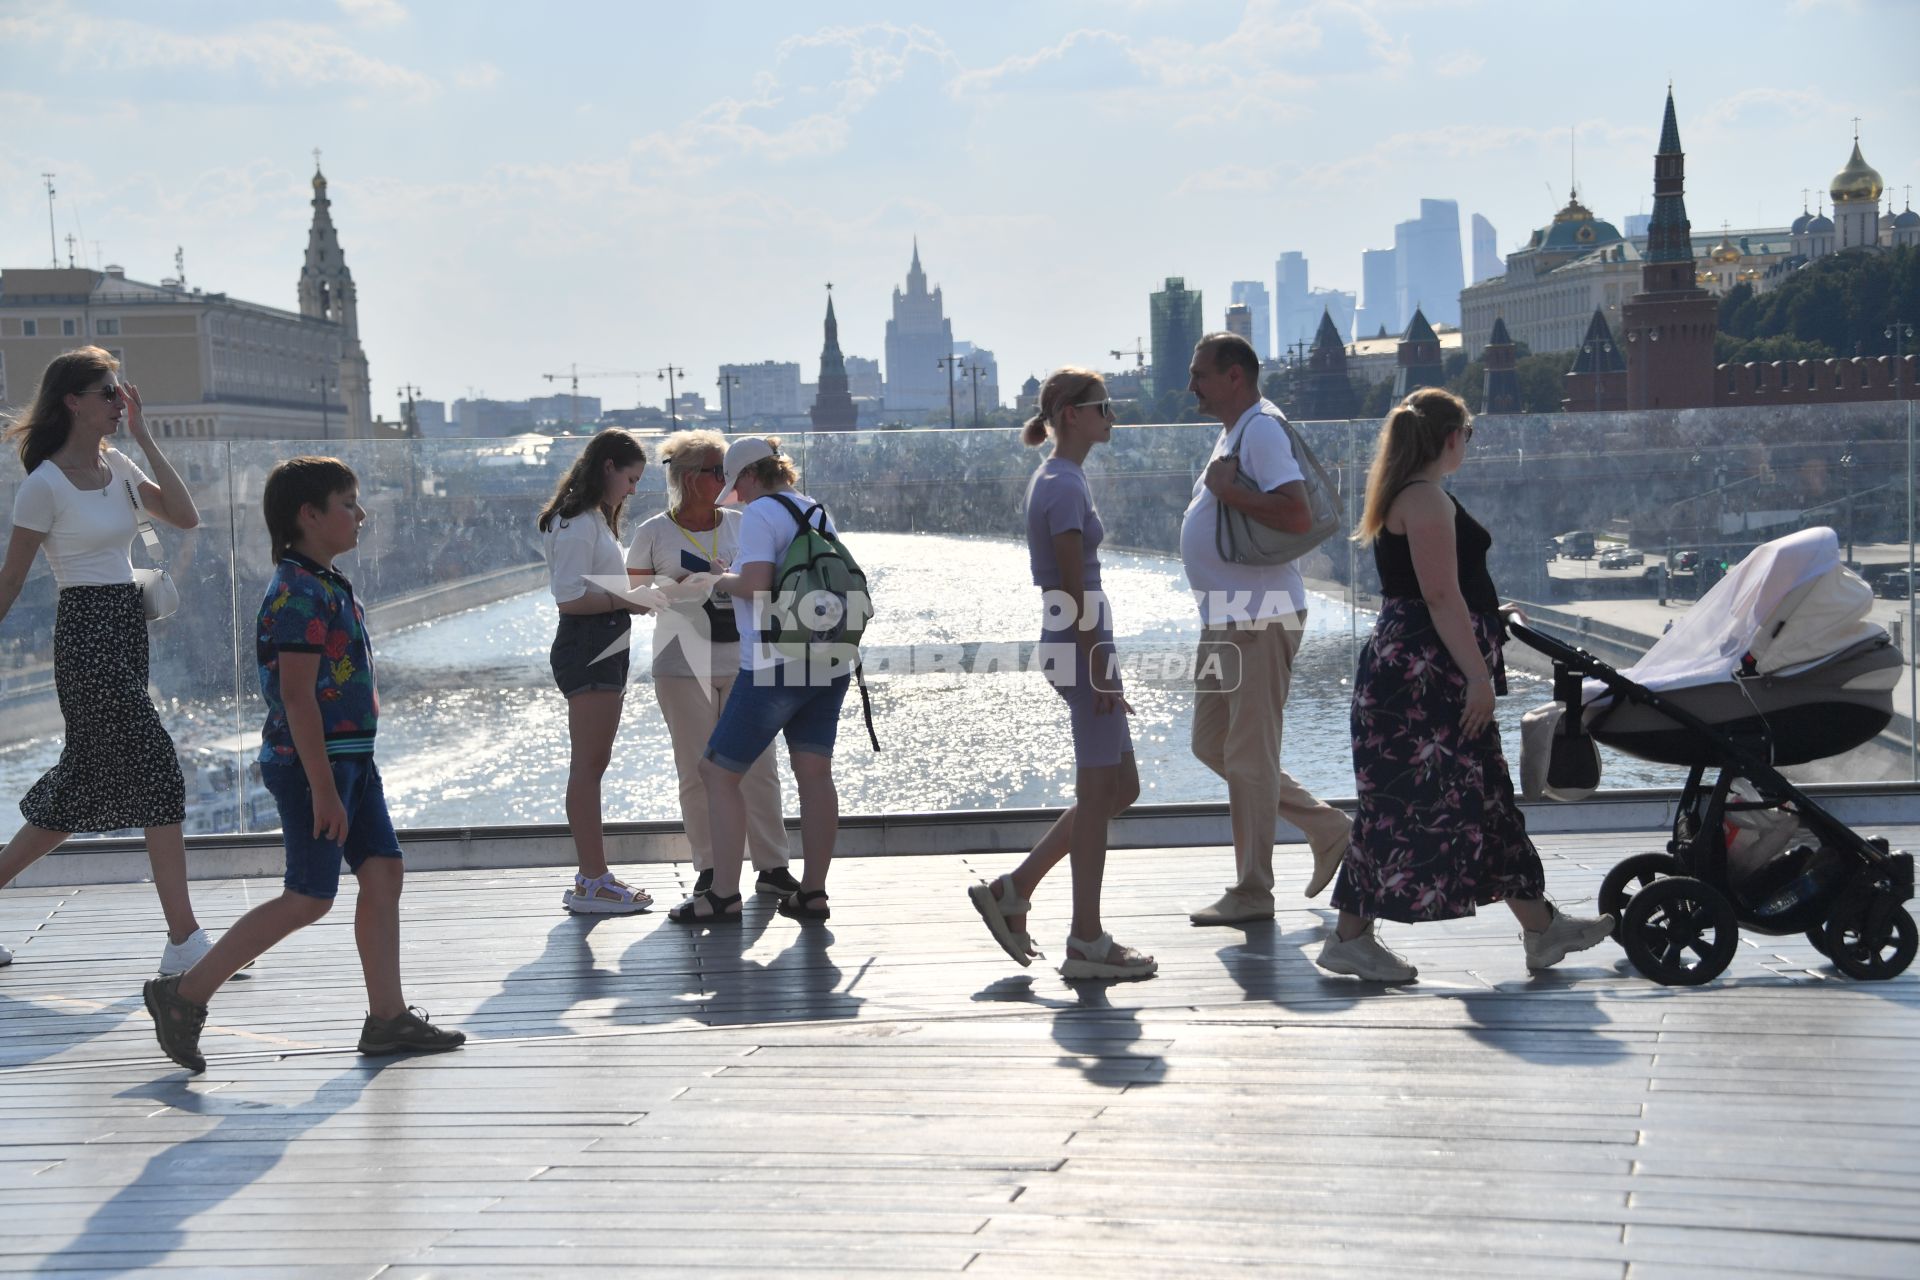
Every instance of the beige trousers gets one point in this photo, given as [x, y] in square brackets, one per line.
[691, 712]
[1236, 733]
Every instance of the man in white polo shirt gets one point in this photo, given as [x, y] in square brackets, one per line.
[1259, 613]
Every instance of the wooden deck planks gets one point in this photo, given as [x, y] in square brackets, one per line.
[888, 1095]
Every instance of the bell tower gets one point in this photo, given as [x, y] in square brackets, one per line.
[327, 293]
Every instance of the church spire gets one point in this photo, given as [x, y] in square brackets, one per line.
[327, 294]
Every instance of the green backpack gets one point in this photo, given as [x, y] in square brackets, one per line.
[820, 605]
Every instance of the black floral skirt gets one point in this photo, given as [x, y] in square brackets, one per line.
[117, 769]
[1438, 832]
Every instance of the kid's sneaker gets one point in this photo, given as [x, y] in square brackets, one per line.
[177, 1022]
[407, 1032]
[182, 956]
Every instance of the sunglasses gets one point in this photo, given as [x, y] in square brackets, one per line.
[109, 392]
[718, 473]
[1104, 406]
[1468, 430]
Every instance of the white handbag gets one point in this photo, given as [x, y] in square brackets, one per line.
[158, 594]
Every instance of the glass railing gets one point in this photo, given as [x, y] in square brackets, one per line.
[1608, 526]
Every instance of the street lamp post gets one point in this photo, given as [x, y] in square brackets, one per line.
[323, 388]
[974, 373]
[728, 381]
[949, 363]
[1900, 333]
[1846, 472]
[1595, 351]
[673, 401]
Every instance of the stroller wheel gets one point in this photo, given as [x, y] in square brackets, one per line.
[1680, 931]
[1871, 939]
[1628, 877]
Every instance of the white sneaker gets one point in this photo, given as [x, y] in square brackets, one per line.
[1364, 957]
[6, 957]
[1562, 937]
[182, 956]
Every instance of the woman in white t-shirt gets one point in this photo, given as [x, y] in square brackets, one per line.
[773, 697]
[117, 768]
[696, 652]
[586, 570]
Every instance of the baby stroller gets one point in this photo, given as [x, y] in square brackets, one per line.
[1777, 665]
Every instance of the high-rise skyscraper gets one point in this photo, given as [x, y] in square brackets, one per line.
[1381, 307]
[919, 337]
[1294, 316]
[1486, 251]
[1174, 317]
[1428, 275]
[1240, 320]
[1259, 308]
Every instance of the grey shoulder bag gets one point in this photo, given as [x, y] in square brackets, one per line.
[1240, 539]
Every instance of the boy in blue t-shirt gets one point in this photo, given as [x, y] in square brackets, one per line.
[316, 757]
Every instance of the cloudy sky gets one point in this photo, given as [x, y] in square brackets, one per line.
[519, 187]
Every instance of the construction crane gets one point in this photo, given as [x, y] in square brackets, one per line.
[1137, 351]
[572, 378]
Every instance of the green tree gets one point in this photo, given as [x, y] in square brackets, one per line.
[1840, 305]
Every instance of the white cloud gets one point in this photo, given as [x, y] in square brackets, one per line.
[481, 75]
[1464, 63]
[1084, 59]
[374, 13]
[280, 53]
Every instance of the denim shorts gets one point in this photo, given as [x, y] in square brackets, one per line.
[313, 863]
[808, 715]
[583, 637]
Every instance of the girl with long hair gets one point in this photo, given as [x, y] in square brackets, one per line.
[586, 568]
[1076, 641]
[81, 504]
[1438, 832]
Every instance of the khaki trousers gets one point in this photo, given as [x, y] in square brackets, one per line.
[691, 712]
[1236, 733]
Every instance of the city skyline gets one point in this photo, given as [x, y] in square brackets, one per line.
[514, 199]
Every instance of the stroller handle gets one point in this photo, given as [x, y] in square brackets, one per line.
[1578, 661]
[1545, 643]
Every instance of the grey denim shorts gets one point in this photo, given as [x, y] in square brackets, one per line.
[578, 666]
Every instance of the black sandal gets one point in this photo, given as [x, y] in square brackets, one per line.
[718, 908]
[807, 904]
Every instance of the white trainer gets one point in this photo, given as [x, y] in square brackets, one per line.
[1366, 957]
[1563, 936]
[6, 957]
[182, 956]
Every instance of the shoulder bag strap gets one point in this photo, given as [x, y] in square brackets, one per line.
[148, 538]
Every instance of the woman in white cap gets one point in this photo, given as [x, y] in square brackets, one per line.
[774, 696]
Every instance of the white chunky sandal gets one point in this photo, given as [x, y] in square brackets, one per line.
[1017, 943]
[1119, 962]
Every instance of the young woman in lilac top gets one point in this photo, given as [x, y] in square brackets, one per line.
[1076, 646]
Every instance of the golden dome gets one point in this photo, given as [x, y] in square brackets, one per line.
[1724, 251]
[1858, 181]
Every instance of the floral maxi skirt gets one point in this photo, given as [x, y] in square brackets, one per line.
[117, 768]
[1438, 832]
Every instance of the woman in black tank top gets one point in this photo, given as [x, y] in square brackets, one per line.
[1438, 832]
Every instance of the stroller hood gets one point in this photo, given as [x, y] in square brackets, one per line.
[1789, 605]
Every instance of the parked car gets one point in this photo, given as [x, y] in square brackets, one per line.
[1576, 544]
[1685, 561]
[1894, 586]
[1621, 558]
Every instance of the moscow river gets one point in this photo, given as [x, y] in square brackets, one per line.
[472, 731]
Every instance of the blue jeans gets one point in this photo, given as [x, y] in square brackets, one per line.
[313, 863]
[808, 715]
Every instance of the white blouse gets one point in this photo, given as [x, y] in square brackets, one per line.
[578, 549]
[89, 531]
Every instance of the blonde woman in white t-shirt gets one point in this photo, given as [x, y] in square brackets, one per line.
[581, 529]
[696, 652]
[117, 768]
